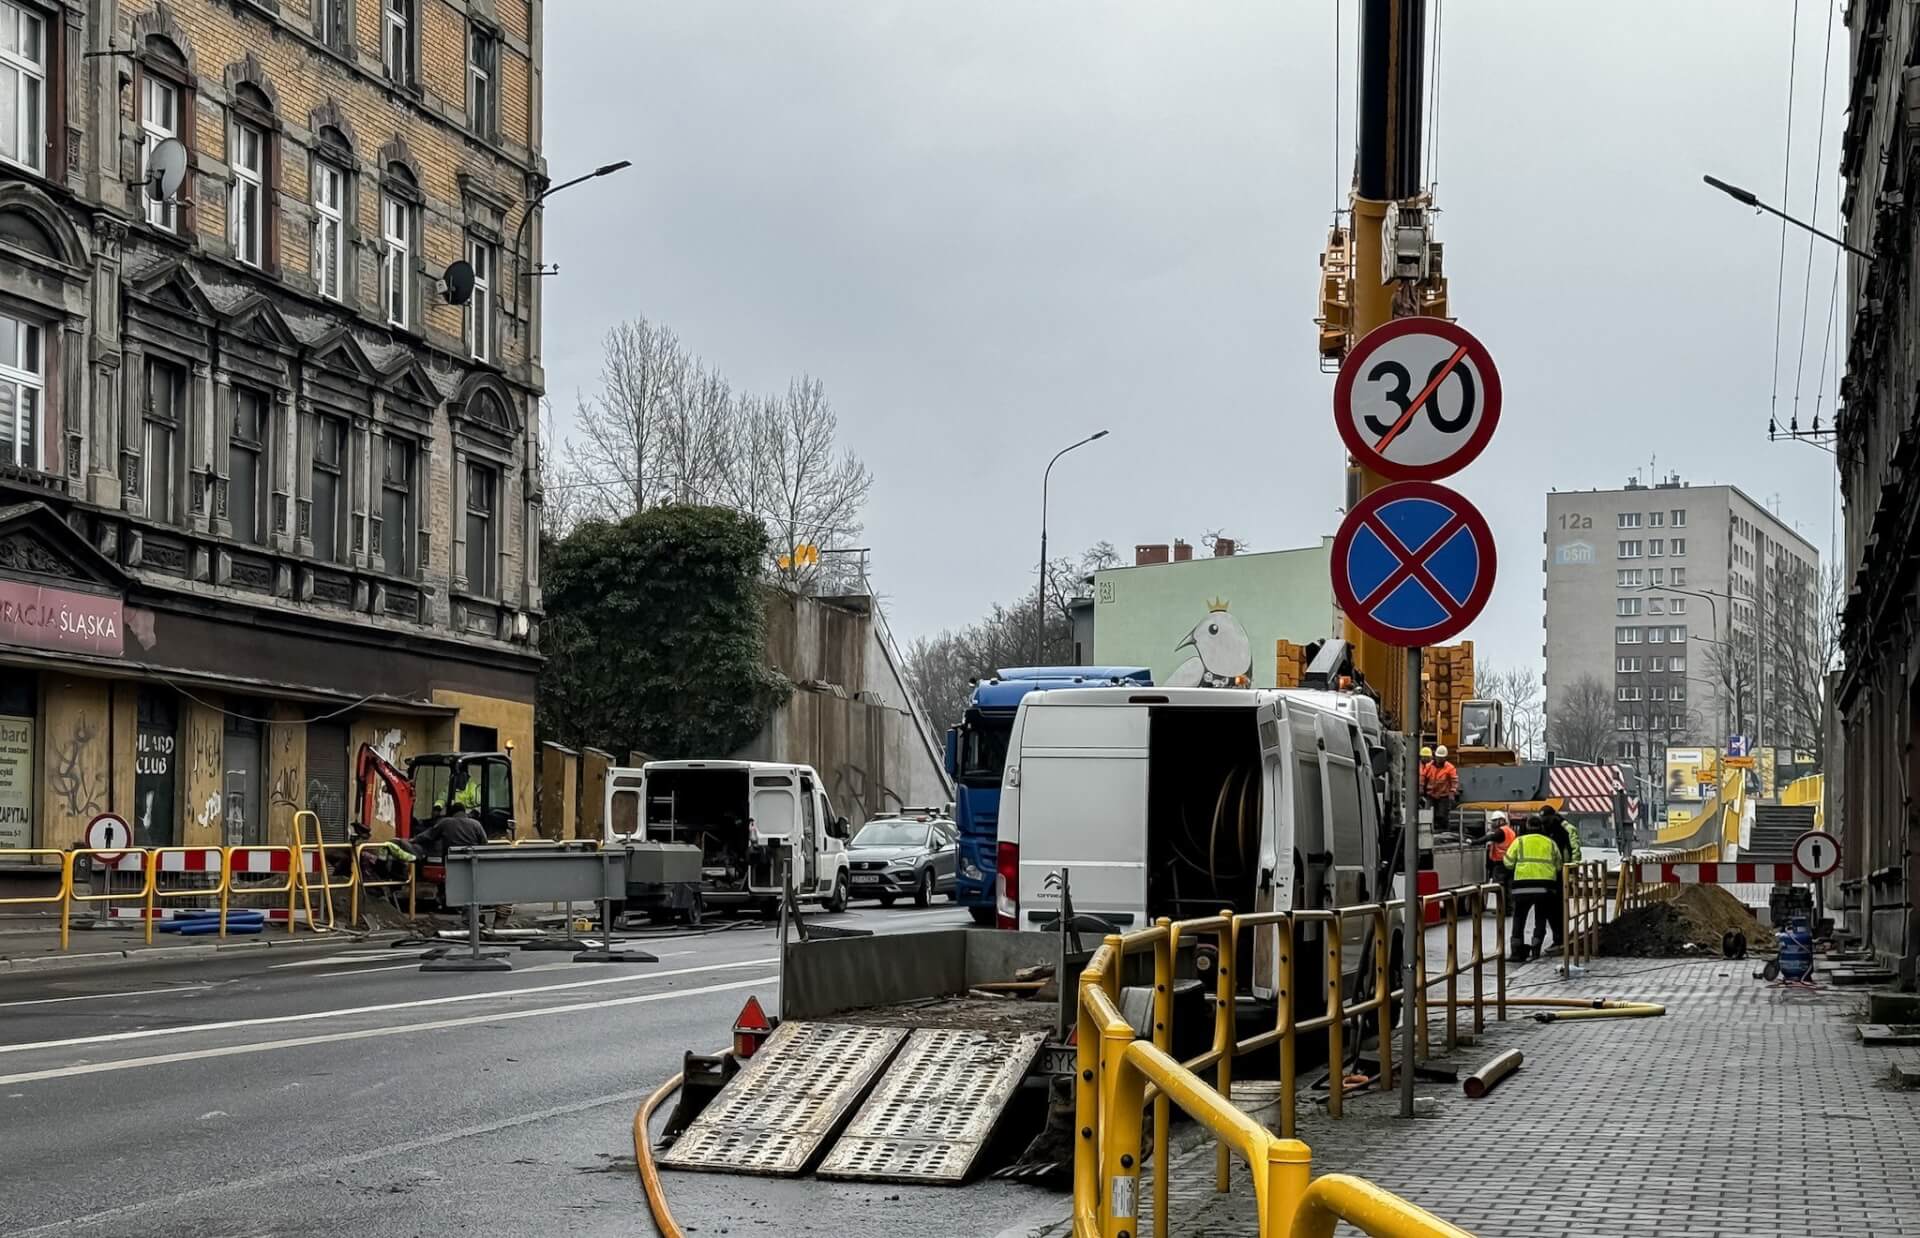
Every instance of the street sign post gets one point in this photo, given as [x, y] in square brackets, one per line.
[107, 833]
[1413, 564]
[1816, 853]
[1737, 746]
[1417, 399]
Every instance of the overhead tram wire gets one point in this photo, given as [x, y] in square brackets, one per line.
[1433, 99]
[1786, 182]
[1819, 149]
[1337, 204]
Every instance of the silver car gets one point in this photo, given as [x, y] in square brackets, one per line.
[903, 856]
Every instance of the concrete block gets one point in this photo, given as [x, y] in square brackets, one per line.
[1906, 1077]
[1893, 1007]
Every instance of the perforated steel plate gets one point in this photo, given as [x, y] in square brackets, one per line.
[791, 1097]
[932, 1113]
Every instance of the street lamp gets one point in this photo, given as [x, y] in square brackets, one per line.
[1040, 615]
[1746, 197]
[520, 233]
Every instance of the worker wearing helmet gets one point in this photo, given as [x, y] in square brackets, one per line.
[1443, 789]
[1534, 860]
[1500, 839]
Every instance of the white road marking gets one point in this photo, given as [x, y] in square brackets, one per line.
[352, 956]
[368, 1033]
[94, 997]
[278, 1176]
[636, 978]
[351, 969]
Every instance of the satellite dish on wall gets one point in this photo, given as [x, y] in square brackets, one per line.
[459, 282]
[166, 169]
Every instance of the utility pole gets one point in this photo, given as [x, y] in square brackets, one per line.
[1387, 174]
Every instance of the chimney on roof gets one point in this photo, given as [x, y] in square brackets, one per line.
[1146, 554]
[1222, 547]
[1182, 551]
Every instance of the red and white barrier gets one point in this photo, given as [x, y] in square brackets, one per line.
[249, 860]
[272, 915]
[1719, 874]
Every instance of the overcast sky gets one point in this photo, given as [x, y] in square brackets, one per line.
[991, 228]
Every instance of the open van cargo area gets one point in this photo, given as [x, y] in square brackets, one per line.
[1203, 810]
[705, 808]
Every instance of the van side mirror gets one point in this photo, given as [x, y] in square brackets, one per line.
[838, 828]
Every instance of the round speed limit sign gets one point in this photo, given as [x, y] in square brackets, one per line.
[1417, 399]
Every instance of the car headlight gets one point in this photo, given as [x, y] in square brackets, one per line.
[970, 870]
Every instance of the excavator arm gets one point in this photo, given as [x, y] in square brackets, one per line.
[372, 773]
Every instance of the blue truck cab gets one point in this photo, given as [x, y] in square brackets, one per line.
[977, 755]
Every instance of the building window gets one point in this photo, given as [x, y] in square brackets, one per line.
[1658, 693]
[159, 120]
[396, 506]
[1627, 666]
[1679, 515]
[1656, 519]
[1628, 694]
[1679, 722]
[23, 386]
[329, 469]
[1677, 636]
[329, 228]
[1629, 520]
[482, 483]
[1656, 547]
[23, 87]
[166, 402]
[483, 83]
[1678, 693]
[1629, 550]
[1656, 636]
[1656, 576]
[1626, 607]
[480, 325]
[330, 23]
[1679, 575]
[1676, 606]
[1629, 577]
[246, 447]
[1655, 606]
[247, 198]
[1676, 664]
[1625, 750]
[481, 533]
[396, 43]
[1626, 636]
[1679, 546]
[396, 258]
[1659, 664]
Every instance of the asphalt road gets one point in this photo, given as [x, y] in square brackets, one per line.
[345, 1092]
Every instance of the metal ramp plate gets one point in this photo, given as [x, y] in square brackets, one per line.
[790, 1098]
[932, 1113]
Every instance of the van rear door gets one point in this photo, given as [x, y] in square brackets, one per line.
[1076, 798]
[774, 808]
[1273, 889]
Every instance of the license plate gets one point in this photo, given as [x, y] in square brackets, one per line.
[1061, 1061]
[860, 880]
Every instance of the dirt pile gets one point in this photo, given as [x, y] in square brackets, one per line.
[1694, 922]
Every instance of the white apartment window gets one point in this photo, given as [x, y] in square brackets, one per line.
[1627, 666]
[1627, 694]
[396, 258]
[1659, 664]
[1656, 547]
[22, 392]
[396, 43]
[1679, 575]
[1679, 693]
[330, 22]
[1629, 550]
[1626, 636]
[480, 306]
[159, 120]
[1679, 722]
[1656, 519]
[1629, 577]
[1679, 546]
[247, 198]
[1656, 575]
[483, 82]
[329, 228]
[1676, 664]
[1655, 606]
[1679, 515]
[1658, 693]
[1626, 607]
[1676, 606]
[23, 87]
[1629, 520]
[1677, 636]
[1625, 751]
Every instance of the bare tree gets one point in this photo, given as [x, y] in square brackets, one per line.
[643, 375]
[1803, 647]
[1518, 690]
[1582, 723]
[813, 489]
[1099, 557]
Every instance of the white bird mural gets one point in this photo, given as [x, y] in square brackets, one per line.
[1223, 657]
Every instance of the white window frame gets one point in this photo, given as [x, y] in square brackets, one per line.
[1656, 636]
[1626, 608]
[397, 20]
[1679, 518]
[1656, 606]
[162, 215]
[1658, 665]
[1656, 520]
[25, 384]
[483, 81]
[1628, 520]
[1676, 606]
[248, 182]
[1677, 635]
[481, 325]
[396, 260]
[29, 138]
[1677, 547]
[1628, 578]
[1678, 576]
[1656, 547]
[1626, 666]
[329, 228]
[1626, 636]
[1629, 550]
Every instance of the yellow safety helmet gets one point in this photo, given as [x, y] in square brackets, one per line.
[1426, 752]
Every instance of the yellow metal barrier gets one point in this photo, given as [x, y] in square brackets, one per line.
[62, 869]
[108, 858]
[1473, 899]
[360, 882]
[288, 887]
[1118, 1073]
[1583, 910]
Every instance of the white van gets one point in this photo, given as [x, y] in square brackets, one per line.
[749, 819]
[1183, 801]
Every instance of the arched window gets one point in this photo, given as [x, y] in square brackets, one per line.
[331, 182]
[251, 160]
[166, 111]
[399, 242]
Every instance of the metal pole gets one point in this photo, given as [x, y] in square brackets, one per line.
[1415, 919]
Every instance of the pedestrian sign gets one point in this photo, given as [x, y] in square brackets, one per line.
[1816, 853]
[106, 834]
[1413, 564]
[1417, 399]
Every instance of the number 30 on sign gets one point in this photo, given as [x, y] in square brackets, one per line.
[1417, 399]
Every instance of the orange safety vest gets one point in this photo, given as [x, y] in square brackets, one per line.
[1497, 849]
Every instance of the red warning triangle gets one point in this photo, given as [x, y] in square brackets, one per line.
[752, 1018]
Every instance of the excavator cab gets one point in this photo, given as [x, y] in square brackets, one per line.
[482, 781]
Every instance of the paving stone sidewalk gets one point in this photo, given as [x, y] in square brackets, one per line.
[1748, 1111]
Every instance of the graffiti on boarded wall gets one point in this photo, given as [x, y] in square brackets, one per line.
[77, 769]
